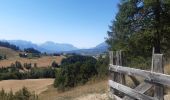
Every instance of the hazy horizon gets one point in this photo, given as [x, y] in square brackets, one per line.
[82, 23]
[53, 42]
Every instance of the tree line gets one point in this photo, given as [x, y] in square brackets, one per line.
[26, 71]
[8, 45]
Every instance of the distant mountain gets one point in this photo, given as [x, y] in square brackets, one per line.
[49, 47]
[25, 44]
[53, 47]
[101, 48]
[22, 44]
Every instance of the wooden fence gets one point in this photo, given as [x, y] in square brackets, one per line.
[154, 80]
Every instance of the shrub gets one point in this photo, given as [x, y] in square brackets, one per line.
[75, 70]
[22, 94]
[54, 64]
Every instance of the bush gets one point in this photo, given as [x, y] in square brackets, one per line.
[2, 57]
[54, 64]
[18, 65]
[76, 70]
[33, 73]
[28, 66]
[102, 66]
[22, 94]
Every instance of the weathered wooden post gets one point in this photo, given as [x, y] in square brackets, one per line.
[158, 67]
[111, 73]
[116, 59]
[119, 61]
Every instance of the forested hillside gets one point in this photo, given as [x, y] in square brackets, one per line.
[8, 45]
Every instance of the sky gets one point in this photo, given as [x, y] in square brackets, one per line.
[82, 23]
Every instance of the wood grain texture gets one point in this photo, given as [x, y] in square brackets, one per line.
[129, 92]
[152, 77]
[158, 67]
[142, 88]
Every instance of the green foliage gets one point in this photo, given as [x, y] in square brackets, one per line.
[22, 94]
[76, 58]
[54, 64]
[32, 50]
[77, 70]
[18, 65]
[139, 26]
[8, 45]
[32, 53]
[33, 73]
[41, 73]
[2, 57]
[28, 66]
[102, 66]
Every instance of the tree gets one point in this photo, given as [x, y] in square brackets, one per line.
[18, 65]
[28, 66]
[54, 64]
[75, 70]
[139, 26]
[32, 50]
[8, 45]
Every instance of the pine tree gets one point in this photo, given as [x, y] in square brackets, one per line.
[139, 26]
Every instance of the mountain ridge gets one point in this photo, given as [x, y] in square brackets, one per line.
[52, 47]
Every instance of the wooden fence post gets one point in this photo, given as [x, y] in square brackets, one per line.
[116, 59]
[111, 57]
[119, 61]
[158, 67]
[111, 74]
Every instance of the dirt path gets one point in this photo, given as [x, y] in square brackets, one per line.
[94, 97]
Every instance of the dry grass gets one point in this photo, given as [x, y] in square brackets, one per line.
[34, 85]
[94, 96]
[91, 91]
[8, 52]
[86, 92]
[13, 56]
[46, 91]
[44, 61]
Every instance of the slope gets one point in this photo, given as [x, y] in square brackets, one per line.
[8, 52]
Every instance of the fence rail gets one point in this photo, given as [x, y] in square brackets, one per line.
[153, 80]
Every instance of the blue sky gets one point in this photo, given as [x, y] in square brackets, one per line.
[83, 23]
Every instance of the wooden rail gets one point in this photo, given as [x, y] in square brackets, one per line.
[153, 79]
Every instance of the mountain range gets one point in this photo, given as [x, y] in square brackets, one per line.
[51, 47]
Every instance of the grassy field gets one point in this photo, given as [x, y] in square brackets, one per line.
[44, 87]
[13, 56]
[93, 90]
[8, 52]
[90, 91]
[34, 85]
[44, 61]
